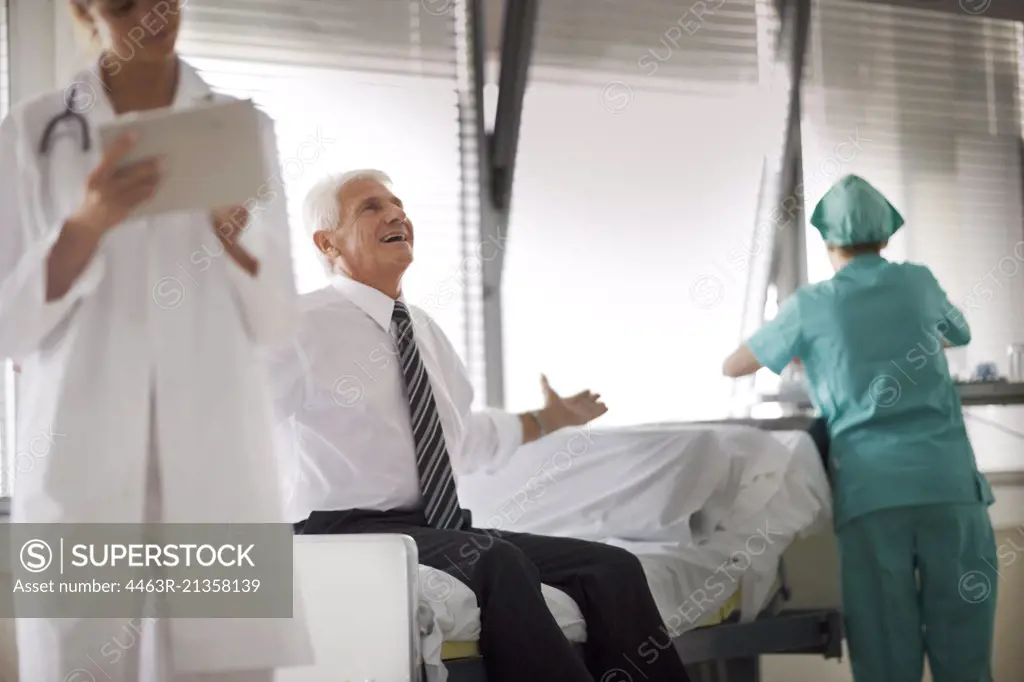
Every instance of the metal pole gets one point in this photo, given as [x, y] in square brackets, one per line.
[780, 213]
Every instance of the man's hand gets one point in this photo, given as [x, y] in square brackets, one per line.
[229, 223]
[575, 410]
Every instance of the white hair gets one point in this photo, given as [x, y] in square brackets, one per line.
[321, 209]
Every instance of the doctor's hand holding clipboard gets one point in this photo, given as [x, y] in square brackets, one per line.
[229, 224]
[111, 194]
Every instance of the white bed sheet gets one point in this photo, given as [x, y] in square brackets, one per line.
[660, 482]
[776, 500]
[769, 492]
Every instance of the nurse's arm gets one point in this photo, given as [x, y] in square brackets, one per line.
[951, 324]
[69, 257]
[741, 363]
[774, 345]
[954, 328]
[45, 270]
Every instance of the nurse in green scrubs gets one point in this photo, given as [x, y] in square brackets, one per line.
[917, 550]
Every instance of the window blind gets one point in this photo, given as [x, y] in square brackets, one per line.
[6, 370]
[926, 106]
[643, 136]
[476, 247]
[934, 101]
[355, 84]
[5, 75]
[651, 44]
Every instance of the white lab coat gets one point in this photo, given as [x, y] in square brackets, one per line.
[161, 311]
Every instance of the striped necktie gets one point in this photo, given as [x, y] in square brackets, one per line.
[437, 483]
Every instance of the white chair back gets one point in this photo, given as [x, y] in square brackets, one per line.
[359, 595]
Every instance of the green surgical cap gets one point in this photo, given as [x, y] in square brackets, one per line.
[853, 212]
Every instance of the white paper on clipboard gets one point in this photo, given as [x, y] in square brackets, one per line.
[212, 154]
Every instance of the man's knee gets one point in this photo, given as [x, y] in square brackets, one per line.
[501, 552]
[618, 562]
[490, 555]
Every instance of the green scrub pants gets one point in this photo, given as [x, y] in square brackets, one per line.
[920, 581]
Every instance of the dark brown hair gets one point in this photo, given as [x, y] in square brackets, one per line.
[860, 249]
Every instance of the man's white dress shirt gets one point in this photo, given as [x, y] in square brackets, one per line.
[344, 432]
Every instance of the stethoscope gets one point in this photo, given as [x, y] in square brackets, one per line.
[70, 113]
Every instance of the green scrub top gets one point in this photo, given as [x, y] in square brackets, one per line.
[870, 342]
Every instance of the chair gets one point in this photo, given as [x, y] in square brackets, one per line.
[359, 596]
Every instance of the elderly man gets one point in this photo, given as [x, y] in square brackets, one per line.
[377, 403]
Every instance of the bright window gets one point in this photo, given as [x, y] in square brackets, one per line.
[359, 84]
[644, 132]
[629, 249]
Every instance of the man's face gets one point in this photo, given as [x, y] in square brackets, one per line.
[375, 238]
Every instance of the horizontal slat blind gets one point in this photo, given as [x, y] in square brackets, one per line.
[5, 75]
[926, 105]
[374, 81]
[644, 131]
[476, 248]
[372, 36]
[6, 373]
[648, 43]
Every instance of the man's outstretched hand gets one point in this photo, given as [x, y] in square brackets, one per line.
[575, 410]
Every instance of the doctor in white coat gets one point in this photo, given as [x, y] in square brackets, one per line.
[137, 342]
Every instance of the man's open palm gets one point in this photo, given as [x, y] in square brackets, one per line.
[574, 410]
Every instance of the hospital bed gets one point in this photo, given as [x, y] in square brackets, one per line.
[436, 620]
[724, 643]
[373, 613]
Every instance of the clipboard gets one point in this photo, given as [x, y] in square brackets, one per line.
[212, 152]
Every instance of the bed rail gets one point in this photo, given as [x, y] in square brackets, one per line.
[790, 632]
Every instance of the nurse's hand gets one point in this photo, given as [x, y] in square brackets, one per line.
[112, 193]
[229, 223]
